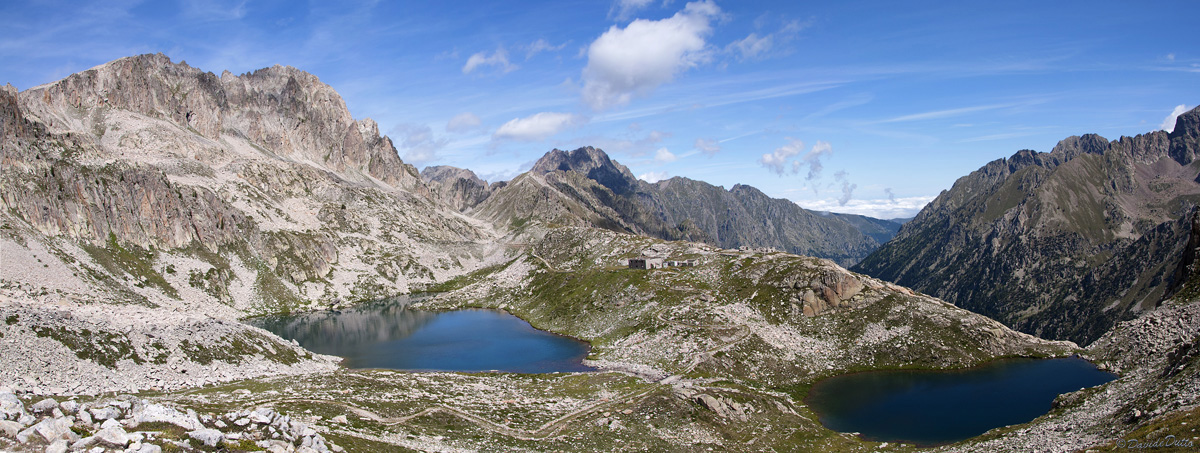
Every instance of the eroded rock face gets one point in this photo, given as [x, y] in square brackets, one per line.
[288, 112]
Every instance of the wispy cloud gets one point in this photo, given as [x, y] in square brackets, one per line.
[418, 143]
[707, 146]
[624, 9]
[463, 122]
[847, 187]
[947, 113]
[701, 96]
[537, 127]
[851, 101]
[498, 58]
[541, 45]
[756, 46]
[780, 161]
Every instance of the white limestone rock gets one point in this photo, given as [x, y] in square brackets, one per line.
[11, 408]
[209, 437]
[44, 406]
[154, 412]
[10, 428]
[114, 436]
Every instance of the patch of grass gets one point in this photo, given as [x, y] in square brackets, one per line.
[463, 281]
[132, 260]
[1175, 432]
[276, 296]
[240, 346]
[104, 348]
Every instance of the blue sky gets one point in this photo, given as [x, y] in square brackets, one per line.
[865, 107]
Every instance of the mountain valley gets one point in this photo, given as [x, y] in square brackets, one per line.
[149, 206]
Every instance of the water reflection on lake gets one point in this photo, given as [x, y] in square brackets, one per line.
[389, 335]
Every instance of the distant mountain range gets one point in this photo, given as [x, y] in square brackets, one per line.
[1061, 244]
[586, 187]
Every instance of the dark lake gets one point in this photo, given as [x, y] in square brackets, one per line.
[939, 407]
[389, 335]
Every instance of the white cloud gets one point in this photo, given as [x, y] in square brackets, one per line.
[777, 160]
[418, 143]
[497, 58]
[1168, 124]
[707, 146]
[878, 208]
[664, 155]
[463, 122]
[633, 61]
[654, 176]
[622, 9]
[539, 46]
[538, 126]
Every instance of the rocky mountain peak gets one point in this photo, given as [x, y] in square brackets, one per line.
[459, 188]
[1074, 146]
[591, 162]
[1185, 138]
[442, 173]
[281, 109]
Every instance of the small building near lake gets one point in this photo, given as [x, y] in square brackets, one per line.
[658, 263]
[645, 263]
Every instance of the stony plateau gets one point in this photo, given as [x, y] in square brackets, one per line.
[148, 206]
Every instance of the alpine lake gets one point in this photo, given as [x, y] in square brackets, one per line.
[920, 407]
[389, 335]
[935, 407]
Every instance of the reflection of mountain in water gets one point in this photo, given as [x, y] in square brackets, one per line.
[329, 332]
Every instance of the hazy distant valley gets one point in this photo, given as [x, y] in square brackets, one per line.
[149, 206]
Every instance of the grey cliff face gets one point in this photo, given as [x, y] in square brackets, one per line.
[286, 111]
[1061, 244]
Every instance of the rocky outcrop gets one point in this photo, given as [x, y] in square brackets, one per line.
[1061, 244]
[113, 423]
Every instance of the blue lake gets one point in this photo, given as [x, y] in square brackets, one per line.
[939, 407]
[389, 335]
